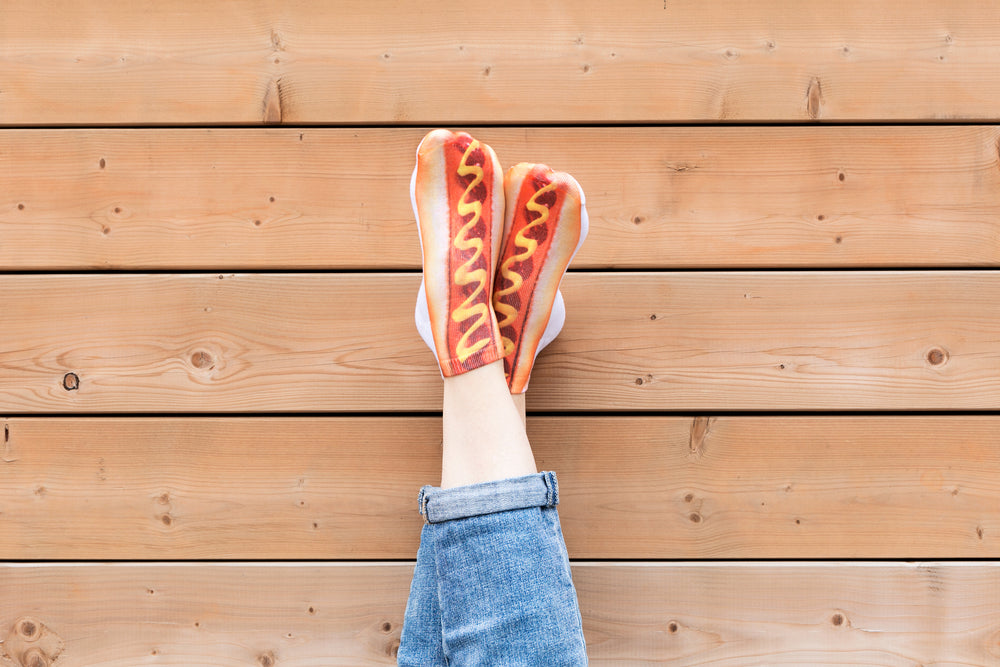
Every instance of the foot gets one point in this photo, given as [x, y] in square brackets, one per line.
[457, 196]
[545, 224]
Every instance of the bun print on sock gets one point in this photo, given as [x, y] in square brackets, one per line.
[458, 200]
[544, 226]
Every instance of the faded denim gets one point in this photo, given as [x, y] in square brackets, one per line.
[492, 582]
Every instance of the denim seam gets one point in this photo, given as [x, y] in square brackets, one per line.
[422, 504]
[432, 537]
[551, 489]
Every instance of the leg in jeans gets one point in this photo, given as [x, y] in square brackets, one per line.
[500, 591]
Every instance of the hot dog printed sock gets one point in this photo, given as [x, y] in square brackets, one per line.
[544, 226]
[458, 200]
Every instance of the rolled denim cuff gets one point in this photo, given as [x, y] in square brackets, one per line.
[461, 502]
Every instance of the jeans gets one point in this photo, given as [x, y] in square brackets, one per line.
[492, 582]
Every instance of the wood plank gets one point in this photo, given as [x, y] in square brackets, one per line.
[219, 615]
[477, 61]
[630, 487]
[637, 341]
[731, 615]
[668, 614]
[658, 197]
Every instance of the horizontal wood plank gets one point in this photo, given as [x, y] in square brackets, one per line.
[475, 61]
[658, 197]
[299, 615]
[630, 487]
[635, 341]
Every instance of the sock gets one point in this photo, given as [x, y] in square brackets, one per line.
[457, 196]
[545, 224]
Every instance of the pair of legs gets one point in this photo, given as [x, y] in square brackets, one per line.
[492, 582]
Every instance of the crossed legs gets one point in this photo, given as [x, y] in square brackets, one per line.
[492, 583]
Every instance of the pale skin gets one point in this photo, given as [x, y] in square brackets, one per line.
[483, 429]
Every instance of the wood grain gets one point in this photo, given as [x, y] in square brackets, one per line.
[630, 487]
[384, 62]
[667, 614]
[209, 615]
[634, 341]
[641, 101]
[692, 197]
[730, 615]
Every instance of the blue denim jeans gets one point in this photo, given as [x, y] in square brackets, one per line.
[492, 582]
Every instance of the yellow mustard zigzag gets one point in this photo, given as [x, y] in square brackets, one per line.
[508, 312]
[463, 274]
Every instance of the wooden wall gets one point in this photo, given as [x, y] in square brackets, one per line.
[774, 409]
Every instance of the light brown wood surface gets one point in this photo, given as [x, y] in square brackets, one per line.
[905, 340]
[726, 615]
[795, 206]
[310, 61]
[657, 197]
[630, 487]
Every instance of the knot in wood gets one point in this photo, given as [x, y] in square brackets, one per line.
[273, 103]
[202, 360]
[814, 98]
[937, 356]
[71, 382]
[700, 428]
[28, 629]
[33, 657]
[31, 644]
[266, 659]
